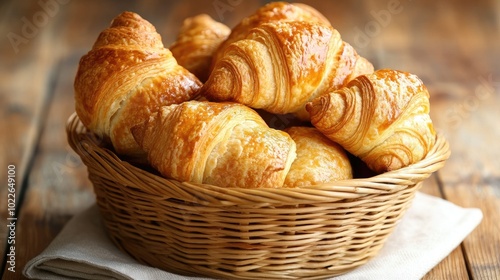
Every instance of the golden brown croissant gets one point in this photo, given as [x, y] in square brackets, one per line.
[223, 144]
[271, 12]
[126, 76]
[196, 42]
[319, 160]
[383, 118]
[281, 66]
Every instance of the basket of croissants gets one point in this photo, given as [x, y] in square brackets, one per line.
[267, 151]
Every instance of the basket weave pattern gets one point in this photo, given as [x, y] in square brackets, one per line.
[195, 229]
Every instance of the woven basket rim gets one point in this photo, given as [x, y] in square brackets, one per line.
[321, 230]
[86, 144]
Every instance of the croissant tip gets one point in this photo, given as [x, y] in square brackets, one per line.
[386, 163]
[219, 86]
[133, 20]
[315, 106]
[138, 132]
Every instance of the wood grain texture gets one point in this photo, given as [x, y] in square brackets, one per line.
[464, 93]
[465, 109]
[24, 81]
[470, 179]
[453, 266]
[56, 185]
[451, 45]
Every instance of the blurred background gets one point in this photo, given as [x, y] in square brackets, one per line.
[453, 46]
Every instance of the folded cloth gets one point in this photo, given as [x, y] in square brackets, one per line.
[427, 233]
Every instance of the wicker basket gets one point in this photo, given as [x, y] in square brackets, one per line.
[192, 229]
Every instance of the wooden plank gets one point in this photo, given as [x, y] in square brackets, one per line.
[471, 179]
[58, 185]
[467, 113]
[26, 62]
[424, 48]
[453, 266]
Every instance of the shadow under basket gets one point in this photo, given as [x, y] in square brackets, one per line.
[312, 232]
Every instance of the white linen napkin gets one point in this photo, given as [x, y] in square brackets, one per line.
[427, 233]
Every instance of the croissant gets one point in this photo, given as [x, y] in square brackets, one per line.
[126, 76]
[281, 66]
[271, 12]
[198, 38]
[382, 118]
[224, 144]
[319, 160]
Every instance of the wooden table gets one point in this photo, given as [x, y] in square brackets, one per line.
[453, 46]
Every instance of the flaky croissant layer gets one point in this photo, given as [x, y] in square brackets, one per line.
[383, 118]
[278, 11]
[126, 76]
[196, 43]
[223, 144]
[319, 160]
[280, 66]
